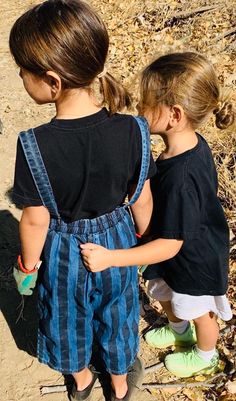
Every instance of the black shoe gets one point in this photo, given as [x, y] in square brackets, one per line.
[83, 395]
[134, 380]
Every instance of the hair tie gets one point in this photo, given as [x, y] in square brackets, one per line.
[220, 105]
[103, 73]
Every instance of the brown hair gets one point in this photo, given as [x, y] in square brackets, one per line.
[69, 38]
[187, 79]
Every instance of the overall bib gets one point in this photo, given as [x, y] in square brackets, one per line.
[76, 305]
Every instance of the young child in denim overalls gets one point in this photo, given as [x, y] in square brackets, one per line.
[190, 251]
[72, 176]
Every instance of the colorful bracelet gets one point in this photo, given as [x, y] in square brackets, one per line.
[24, 270]
[138, 235]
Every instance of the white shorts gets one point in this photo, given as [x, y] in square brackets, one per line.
[188, 307]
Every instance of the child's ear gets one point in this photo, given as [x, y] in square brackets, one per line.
[54, 81]
[176, 114]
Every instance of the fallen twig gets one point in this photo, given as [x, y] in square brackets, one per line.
[231, 31]
[173, 385]
[182, 15]
[61, 388]
[154, 368]
[206, 383]
[175, 18]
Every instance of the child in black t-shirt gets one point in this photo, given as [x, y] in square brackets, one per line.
[188, 258]
[72, 177]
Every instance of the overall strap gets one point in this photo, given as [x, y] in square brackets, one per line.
[38, 171]
[144, 129]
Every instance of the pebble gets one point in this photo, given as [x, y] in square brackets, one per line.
[7, 109]
[1, 127]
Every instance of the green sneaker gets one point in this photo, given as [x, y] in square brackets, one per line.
[189, 363]
[165, 337]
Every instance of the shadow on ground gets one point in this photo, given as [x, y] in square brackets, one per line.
[19, 312]
[153, 317]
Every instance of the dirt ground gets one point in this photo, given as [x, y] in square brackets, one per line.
[21, 376]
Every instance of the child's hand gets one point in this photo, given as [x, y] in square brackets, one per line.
[95, 257]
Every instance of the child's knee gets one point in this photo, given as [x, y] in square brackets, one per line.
[208, 317]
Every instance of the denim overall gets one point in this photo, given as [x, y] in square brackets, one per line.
[76, 305]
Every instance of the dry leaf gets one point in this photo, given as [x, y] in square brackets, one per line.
[193, 394]
[231, 387]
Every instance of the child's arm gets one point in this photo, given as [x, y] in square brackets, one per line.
[33, 230]
[142, 209]
[97, 258]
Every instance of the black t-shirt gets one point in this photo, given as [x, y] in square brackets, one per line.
[90, 161]
[186, 207]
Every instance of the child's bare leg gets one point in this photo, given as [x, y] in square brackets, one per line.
[119, 385]
[207, 331]
[166, 305]
[177, 332]
[178, 325]
[83, 378]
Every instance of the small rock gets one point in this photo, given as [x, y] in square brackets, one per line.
[1, 126]
[7, 109]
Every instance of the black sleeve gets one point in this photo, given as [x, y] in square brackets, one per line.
[151, 170]
[152, 167]
[24, 190]
[177, 215]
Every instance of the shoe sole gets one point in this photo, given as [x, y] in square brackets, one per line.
[83, 395]
[176, 344]
[206, 371]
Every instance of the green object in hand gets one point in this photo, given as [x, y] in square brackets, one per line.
[25, 281]
[141, 269]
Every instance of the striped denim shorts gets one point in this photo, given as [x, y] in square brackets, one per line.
[77, 306]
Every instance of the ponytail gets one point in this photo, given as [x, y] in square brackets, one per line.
[224, 114]
[115, 96]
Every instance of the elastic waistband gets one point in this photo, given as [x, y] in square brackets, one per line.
[89, 226]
